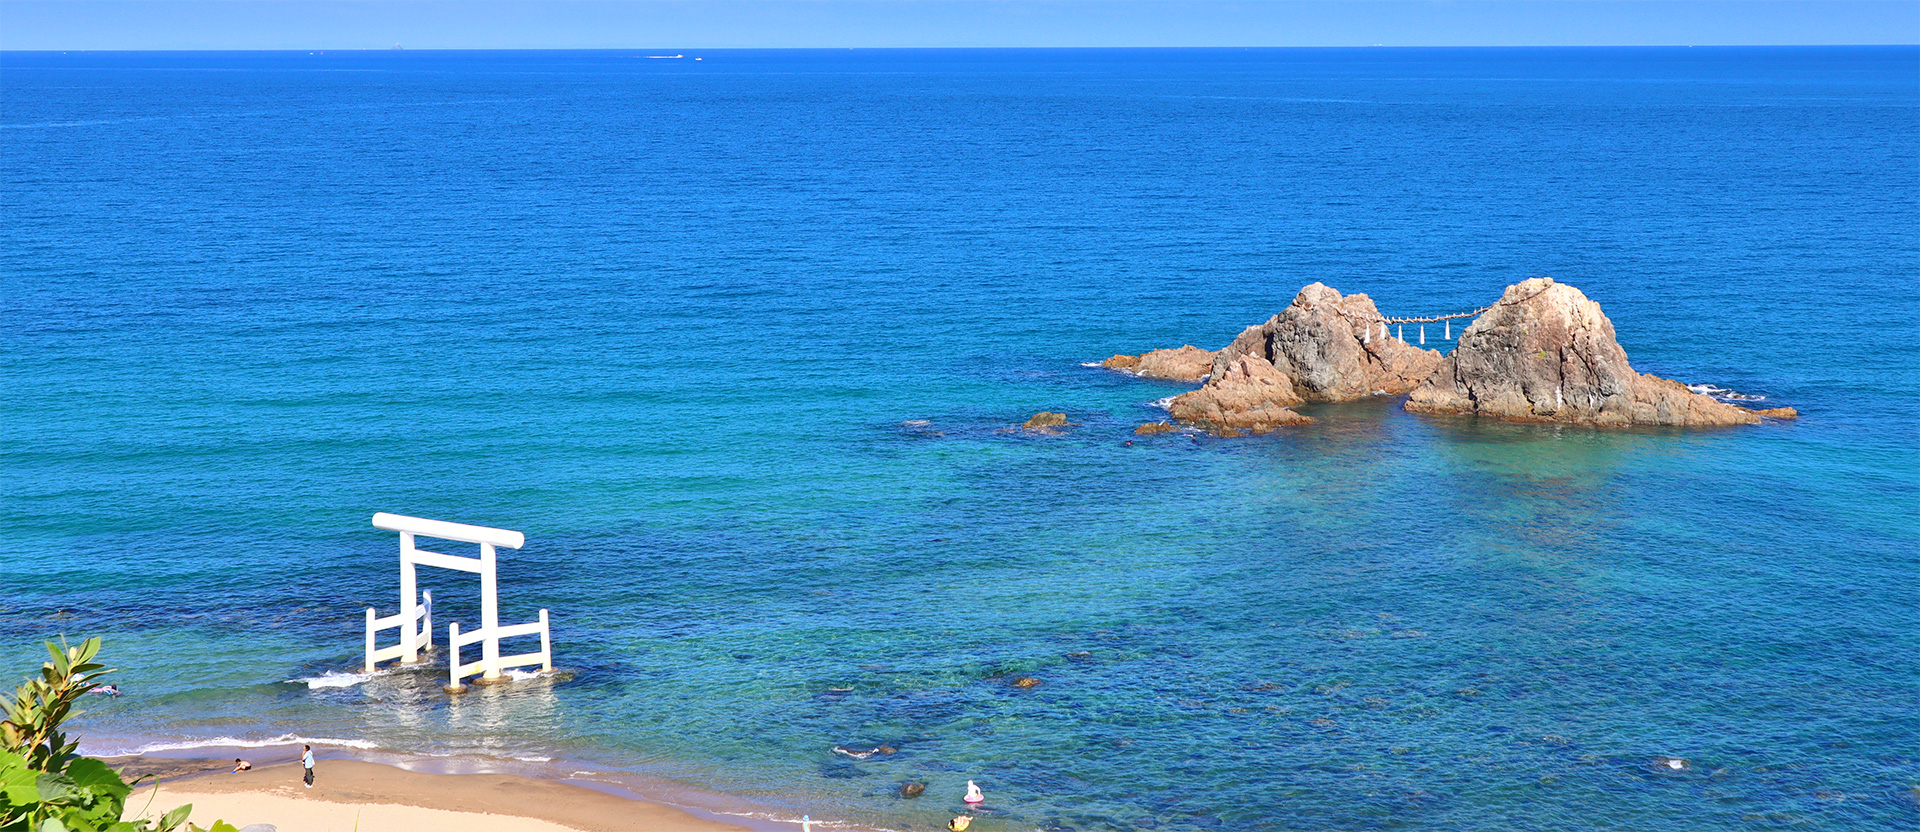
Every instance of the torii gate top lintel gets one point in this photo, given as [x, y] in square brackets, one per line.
[449, 531]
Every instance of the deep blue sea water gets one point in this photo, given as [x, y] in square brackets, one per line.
[669, 317]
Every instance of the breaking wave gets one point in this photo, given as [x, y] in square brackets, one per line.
[332, 679]
[235, 742]
[1723, 394]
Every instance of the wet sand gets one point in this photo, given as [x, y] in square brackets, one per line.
[351, 794]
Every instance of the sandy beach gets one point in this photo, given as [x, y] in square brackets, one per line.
[353, 795]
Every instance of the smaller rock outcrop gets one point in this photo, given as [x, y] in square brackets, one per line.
[1246, 393]
[1152, 428]
[1324, 347]
[1334, 348]
[1778, 413]
[1188, 363]
[912, 789]
[1045, 420]
[1545, 353]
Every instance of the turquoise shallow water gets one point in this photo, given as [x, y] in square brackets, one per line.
[669, 319]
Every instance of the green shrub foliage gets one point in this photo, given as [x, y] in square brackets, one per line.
[45, 785]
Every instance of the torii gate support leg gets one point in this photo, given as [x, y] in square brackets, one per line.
[489, 613]
[409, 601]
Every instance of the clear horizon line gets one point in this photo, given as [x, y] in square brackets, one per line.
[4, 50]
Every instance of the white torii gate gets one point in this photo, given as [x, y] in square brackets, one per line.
[413, 613]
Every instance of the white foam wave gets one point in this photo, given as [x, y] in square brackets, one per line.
[332, 679]
[235, 742]
[1164, 404]
[1091, 364]
[519, 675]
[1723, 393]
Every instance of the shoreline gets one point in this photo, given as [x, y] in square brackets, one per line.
[350, 792]
[182, 763]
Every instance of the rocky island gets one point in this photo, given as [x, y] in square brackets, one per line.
[1543, 352]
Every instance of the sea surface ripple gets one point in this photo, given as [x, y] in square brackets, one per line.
[671, 319]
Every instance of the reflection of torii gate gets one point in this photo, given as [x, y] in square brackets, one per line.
[415, 619]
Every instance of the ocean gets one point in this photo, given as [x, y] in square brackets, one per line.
[679, 320]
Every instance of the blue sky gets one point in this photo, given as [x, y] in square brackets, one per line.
[686, 24]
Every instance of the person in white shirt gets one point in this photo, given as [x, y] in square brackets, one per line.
[306, 762]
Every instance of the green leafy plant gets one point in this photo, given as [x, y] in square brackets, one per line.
[45, 785]
[39, 706]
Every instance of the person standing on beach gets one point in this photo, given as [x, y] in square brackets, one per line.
[306, 762]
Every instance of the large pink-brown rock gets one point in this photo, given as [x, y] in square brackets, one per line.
[1188, 363]
[1245, 392]
[1545, 353]
[1334, 348]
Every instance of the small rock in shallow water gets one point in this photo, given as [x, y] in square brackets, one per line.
[1026, 682]
[912, 789]
[1045, 419]
[1151, 428]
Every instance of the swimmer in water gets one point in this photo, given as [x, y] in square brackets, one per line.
[109, 690]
